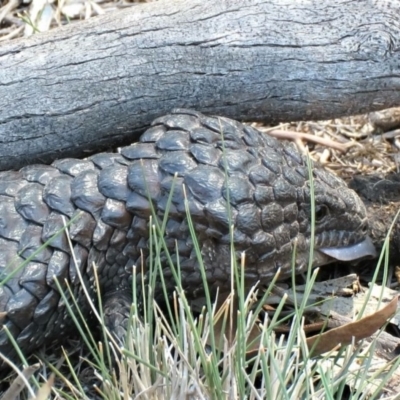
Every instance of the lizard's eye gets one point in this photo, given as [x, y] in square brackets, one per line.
[321, 212]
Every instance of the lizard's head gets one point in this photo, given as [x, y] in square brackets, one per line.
[285, 222]
[268, 187]
[340, 222]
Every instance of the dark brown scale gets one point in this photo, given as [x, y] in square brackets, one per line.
[174, 141]
[57, 195]
[46, 307]
[152, 134]
[30, 242]
[29, 204]
[85, 193]
[205, 155]
[82, 229]
[140, 150]
[55, 223]
[102, 235]
[39, 173]
[12, 224]
[104, 160]
[115, 214]
[33, 279]
[11, 183]
[73, 167]
[233, 175]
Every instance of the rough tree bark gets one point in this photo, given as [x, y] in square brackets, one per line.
[99, 83]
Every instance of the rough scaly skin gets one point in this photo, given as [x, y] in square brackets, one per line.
[269, 199]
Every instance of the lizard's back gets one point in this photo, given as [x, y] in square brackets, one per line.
[232, 175]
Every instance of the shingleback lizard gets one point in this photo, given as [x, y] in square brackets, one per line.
[266, 183]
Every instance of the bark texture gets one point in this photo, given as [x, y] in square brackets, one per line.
[97, 84]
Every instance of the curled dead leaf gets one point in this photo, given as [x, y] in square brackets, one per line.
[361, 329]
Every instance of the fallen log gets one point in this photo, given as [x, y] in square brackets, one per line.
[96, 84]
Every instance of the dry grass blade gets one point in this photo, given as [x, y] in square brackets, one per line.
[20, 383]
[45, 390]
[9, 7]
[292, 135]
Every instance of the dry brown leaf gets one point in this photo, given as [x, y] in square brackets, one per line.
[358, 330]
[318, 344]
